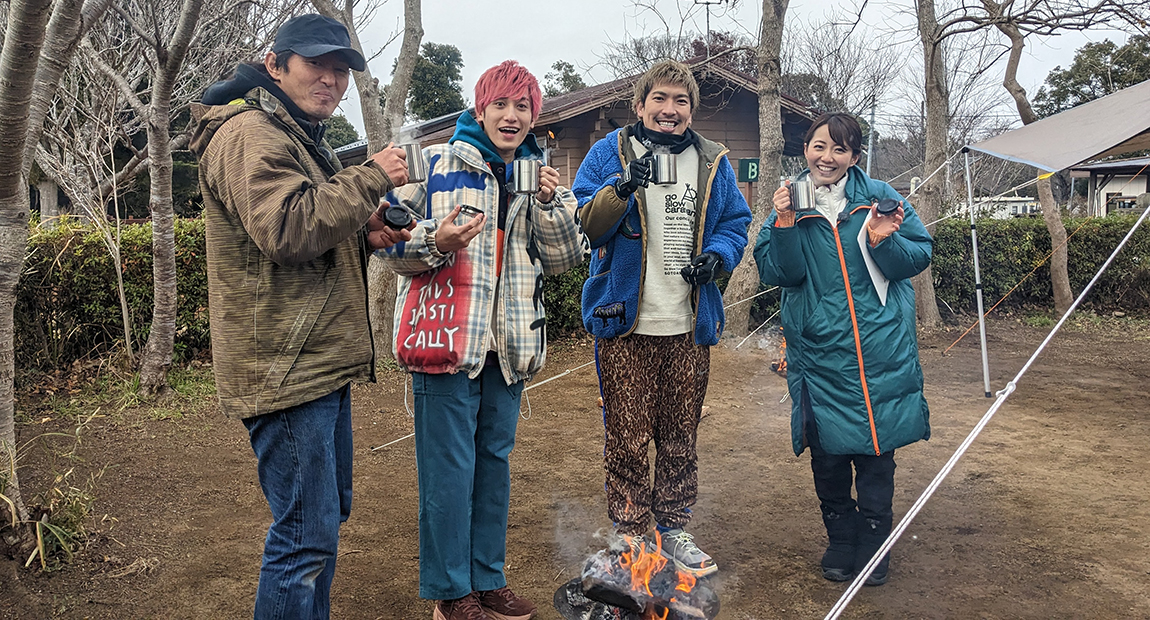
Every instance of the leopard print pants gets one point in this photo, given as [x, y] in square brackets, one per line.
[653, 388]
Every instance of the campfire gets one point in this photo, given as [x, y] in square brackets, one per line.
[631, 581]
[780, 365]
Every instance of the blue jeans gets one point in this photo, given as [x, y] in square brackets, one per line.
[304, 455]
[464, 433]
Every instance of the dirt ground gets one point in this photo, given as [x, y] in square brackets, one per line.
[1044, 518]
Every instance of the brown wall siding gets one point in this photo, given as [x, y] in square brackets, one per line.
[726, 115]
[730, 118]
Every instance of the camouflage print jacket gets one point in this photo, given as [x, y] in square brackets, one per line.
[286, 257]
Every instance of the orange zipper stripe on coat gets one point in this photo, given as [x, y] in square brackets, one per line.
[858, 341]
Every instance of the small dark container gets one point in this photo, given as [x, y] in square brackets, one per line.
[466, 213]
[886, 206]
[397, 217]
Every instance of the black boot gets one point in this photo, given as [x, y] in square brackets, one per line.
[872, 534]
[842, 533]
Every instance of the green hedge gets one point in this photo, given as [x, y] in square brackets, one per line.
[67, 307]
[1008, 250]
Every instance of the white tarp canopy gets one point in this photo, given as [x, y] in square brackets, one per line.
[1115, 124]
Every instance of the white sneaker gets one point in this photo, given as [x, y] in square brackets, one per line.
[680, 547]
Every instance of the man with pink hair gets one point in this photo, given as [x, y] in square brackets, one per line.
[469, 327]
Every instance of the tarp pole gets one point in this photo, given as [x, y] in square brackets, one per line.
[977, 275]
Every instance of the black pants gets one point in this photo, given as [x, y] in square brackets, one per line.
[873, 478]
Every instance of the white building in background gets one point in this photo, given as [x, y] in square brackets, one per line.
[1006, 207]
[1113, 185]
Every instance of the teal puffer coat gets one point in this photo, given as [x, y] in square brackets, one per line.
[855, 358]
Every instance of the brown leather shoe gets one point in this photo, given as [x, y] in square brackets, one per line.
[503, 604]
[466, 608]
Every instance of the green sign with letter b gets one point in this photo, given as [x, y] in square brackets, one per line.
[749, 170]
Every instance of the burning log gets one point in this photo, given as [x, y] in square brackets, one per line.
[572, 604]
[635, 583]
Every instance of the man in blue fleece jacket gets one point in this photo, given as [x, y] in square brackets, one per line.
[652, 303]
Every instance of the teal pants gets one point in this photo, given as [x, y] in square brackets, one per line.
[464, 433]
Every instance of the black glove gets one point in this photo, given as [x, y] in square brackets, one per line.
[637, 173]
[703, 269]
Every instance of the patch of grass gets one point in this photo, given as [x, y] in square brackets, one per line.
[386, 363]
[1038, 320]
[64, 510]
[60, 396]
[193, 382]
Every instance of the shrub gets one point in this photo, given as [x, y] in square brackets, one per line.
[1010, 249]
[562, 297]
[67, 307]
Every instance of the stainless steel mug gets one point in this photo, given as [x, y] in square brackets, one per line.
[802, 196]
[525, 176]
[663, 170]
[416, 164]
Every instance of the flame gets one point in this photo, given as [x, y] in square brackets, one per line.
[686, 582]
[642, 563]
[780, 365]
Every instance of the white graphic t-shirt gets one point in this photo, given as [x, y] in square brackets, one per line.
[665, 306]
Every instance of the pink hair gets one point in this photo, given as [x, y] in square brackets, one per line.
[508, 79]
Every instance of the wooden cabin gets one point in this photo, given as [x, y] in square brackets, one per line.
[569, 124]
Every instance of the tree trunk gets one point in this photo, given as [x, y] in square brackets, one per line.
[61, 41]
[381, 124]
[396, 103]
[1051, 213]
[22, 42]
[929, 198]
[156, 358]
[745, 279]
[49, 203]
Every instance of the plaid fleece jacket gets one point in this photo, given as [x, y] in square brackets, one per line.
[443, 312]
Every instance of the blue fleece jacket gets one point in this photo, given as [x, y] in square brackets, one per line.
[618, 237]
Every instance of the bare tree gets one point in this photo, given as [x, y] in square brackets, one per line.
[937, 122]
[64, 34]
[1016, 26]
[159, 65]
[634, 55]
[23, 46]
[857, 69]
[745, 279]
[1015, 21]
[81, 132]
[381, 126]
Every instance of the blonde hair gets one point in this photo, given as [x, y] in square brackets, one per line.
[669, 72]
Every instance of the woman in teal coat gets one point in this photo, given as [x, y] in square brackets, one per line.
[852, 354]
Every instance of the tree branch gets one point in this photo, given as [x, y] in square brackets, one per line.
[118, 80]
[131, 21]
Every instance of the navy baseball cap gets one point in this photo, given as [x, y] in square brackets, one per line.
[314, 35]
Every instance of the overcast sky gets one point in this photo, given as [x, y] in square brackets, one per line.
[539, 33]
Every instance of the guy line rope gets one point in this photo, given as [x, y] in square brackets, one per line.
[1003, 394]
[1040, 263]
[580, 367]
